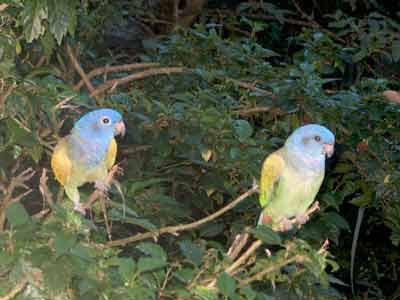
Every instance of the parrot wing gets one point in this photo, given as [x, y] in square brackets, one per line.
[60, 161]
[111, 154]
[271, 171]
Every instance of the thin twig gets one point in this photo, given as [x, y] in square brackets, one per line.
[253, 110]
[79, 69]
[261, 274]
[110, 69]
[14, 291]
[15, 182]
[147, 73]
[44, 189]
[184, 227]
[237, 245]
[247, 85]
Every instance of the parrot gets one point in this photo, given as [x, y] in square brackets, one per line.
[87, 153]
[292, 176]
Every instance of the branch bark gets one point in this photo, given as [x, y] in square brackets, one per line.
[147, 73]
[184, 227]
[111, 69]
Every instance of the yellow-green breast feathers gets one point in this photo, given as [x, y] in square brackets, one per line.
[63, 167]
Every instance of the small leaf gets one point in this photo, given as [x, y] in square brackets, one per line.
[242, 129]
[153, 250]
[150, 263]
[63, 242]
[205, 293]
[127, 268]
[267, 235]
[17, 215]
[192, 251]
[206, 154]
[226, 284]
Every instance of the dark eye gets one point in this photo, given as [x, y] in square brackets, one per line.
[105, 120]
[317, 138]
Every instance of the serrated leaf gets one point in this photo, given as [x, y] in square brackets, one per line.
[226, 285]
[146, 264]
[267, 235]
[17, 215]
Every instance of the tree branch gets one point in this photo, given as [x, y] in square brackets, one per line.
[184, 227]
[110, 69]
[147, 73]
[79, 69]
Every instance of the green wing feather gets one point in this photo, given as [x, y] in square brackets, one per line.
[271, 171]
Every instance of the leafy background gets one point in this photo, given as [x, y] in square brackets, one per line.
[225, 83]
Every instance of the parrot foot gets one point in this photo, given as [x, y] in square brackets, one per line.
[102, 186]
[79, 208]
[302, 219]
[286, 224]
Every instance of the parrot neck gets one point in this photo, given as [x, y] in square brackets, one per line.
[304, 162]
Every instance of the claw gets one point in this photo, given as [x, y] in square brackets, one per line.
[102, 186]
[285, 224]
[302, 218]
[79, 208]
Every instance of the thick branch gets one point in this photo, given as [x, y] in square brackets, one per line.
[179, 228]
[110, 69]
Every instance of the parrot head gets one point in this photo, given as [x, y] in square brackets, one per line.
[312, 140]
[102, 123]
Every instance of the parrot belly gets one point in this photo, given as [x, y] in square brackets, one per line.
[83, 174]
[294, 193]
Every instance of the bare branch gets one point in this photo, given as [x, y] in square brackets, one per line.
[15, 290]
[110, 69]
[184, 227]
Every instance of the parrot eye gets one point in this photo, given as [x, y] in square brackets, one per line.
[317, 138]
[105, 120]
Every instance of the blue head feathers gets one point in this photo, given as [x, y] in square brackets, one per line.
[93, 133]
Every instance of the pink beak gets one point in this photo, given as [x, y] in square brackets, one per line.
[329, 148]
[119, 128]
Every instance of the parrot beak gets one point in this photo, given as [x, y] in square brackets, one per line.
[328, 149]
[119, 128]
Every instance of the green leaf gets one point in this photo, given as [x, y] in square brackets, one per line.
[59, 13]
[266, 235]
[153, 250]
[150, 263]
[185, 274]
[34, 13]
[243, 129]
[226, 285]
[396, 50]
[17, 216]
[63, 242]
[337, 220]
[205, 293]
[192, 251]
[127, 268]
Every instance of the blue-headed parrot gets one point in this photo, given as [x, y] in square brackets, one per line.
[88, 152]
[291, 176]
